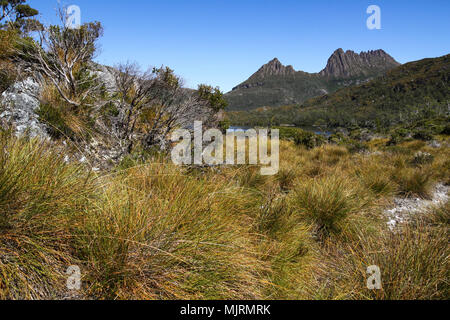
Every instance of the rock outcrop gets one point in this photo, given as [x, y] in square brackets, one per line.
[18, 106]
[343, 65]
[272, 68]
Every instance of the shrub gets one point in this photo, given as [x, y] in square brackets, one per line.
[301, 137]
[446, 130]
[308, 139]
[357, 147]
[224, 125]
[398, 136]
[423, 134]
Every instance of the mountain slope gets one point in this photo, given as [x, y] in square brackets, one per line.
[275, 84]
[397, 96]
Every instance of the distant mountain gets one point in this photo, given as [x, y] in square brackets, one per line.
[402, 94]
[275, 84]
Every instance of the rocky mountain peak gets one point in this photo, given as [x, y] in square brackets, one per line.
[348, 64]
[274, 67]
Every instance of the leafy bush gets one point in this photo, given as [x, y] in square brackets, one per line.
[357, 146]
[423, 134]
[398, 136]
[308, 139]
[446, 130]
[224, 125]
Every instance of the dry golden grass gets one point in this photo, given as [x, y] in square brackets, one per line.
[156, 231]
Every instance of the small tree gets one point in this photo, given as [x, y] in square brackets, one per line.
[63, 56]
[213, 95]
[134, 92]
[155, 102]
[18, 15]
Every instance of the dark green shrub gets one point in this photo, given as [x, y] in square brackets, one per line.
[446, 130]
[399, 135]
[357, 147]
[423, 134]
[308, 139]
[287, 133]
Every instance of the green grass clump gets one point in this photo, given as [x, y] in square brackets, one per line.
[413, 182]
[40, 198]
[327, 202]
[169, 235]
[375, 177]
[56, 123]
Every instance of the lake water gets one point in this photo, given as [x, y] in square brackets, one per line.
[310, 129]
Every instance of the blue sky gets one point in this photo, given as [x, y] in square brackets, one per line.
[223, 42]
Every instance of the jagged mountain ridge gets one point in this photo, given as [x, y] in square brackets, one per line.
[350, 64]
[275, 84]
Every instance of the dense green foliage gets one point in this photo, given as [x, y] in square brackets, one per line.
[213, 95]
[16, 14]
[301, 137]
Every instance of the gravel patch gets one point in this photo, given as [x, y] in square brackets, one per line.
[404, 207]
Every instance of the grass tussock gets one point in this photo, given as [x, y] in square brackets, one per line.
[413, 263]
[328, 203]
[414, 182]
[168, 235]
[41, 198]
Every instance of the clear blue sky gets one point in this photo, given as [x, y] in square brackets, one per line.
[222, 42]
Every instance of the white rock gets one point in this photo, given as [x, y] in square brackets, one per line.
[19, 105]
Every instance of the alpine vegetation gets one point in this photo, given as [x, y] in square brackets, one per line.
[128, 183]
